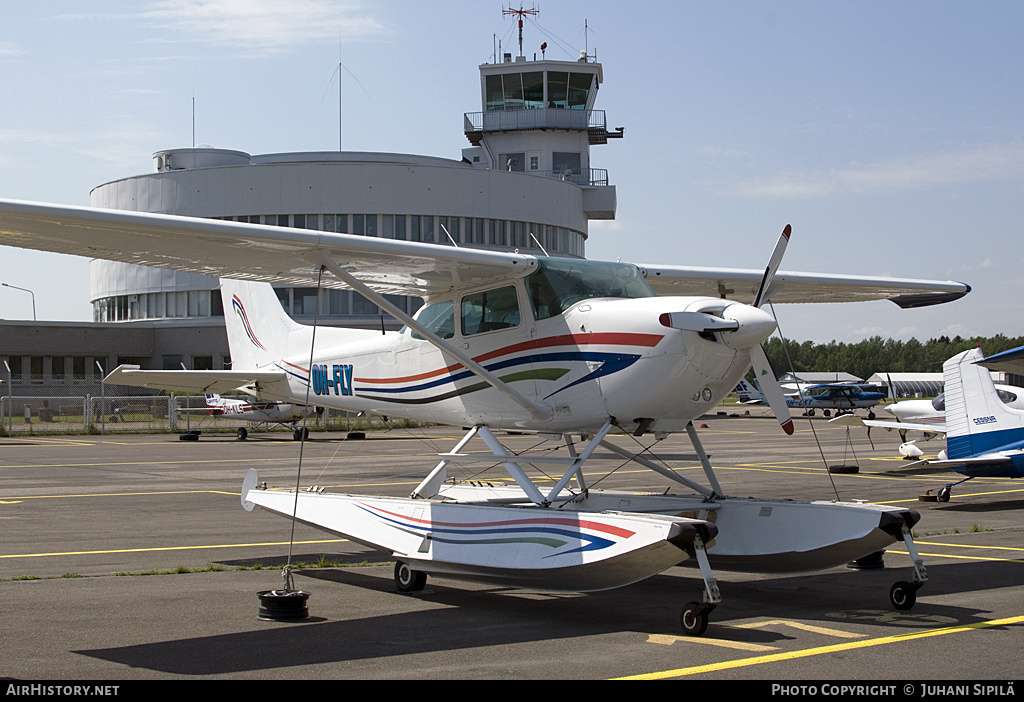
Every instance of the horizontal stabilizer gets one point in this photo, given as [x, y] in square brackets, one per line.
[199, 382]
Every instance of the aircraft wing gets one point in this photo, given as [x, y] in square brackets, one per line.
[199, 382]
[224, 249]
[852, 420]
[789, 286]
[933, 428]
[987, 459]
[1011, 361]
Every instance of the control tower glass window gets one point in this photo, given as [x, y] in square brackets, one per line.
[514, 91]
[494, 94]
[533, 90]
[569, 90]
[558, 88]
[579, 90]
[513, 85]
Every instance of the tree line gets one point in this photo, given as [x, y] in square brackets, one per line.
[878, 355]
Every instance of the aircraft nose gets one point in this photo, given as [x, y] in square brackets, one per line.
[755, 325]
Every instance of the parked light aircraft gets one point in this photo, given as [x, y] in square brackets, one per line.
[984, 436]
[270, 413]
[569, 349]
[925, 415]
[927, 418]
[838, 397]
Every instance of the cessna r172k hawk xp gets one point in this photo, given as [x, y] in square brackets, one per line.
[568, 349]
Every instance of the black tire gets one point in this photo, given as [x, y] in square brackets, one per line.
[694, 619]
[944, 494]
[407, 579]
[300, 434]
[242, 433]
[903, 595]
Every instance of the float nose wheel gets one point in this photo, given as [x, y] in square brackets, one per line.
[694, 618]
[407, 579]
[903, 595]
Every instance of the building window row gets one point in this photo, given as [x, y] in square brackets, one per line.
[158, 305]
[53, 370]
[297, 302]
[300, 302]
[86, 370]
[431, 229]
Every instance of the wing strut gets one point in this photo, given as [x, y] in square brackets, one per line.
[539, 411]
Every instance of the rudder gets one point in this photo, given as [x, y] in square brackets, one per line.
[259, 331]
[976, 419]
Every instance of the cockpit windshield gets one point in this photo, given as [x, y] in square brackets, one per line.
[559, 283]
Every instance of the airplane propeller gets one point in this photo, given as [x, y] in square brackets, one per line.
[773, 394]
[747, 327]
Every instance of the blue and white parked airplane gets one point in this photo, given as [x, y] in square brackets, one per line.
[569, 349]
[984, 436]
[837, 397]
[917, 419]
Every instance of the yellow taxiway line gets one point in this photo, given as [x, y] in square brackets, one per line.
[166, 548]
[822, 650]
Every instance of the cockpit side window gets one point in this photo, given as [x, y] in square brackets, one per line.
[438, 318]
[490, 310]
[559, 283]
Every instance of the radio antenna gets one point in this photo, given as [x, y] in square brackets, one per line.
[520, 13]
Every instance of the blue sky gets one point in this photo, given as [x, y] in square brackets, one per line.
[889, 134]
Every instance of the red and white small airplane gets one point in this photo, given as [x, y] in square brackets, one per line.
[270, 413]
[571, 350]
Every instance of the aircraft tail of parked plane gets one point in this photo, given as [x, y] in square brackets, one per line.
[983, 435]
[259, 332]
[747, 394]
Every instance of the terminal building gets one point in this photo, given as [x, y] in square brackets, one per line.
[524, 182]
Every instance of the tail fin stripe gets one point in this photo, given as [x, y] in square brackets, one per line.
[240, 311]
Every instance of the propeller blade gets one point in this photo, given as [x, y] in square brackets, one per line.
[770, 388]
[773, 265]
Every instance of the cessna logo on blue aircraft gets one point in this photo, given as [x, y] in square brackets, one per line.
[984, 420]
[338, 381]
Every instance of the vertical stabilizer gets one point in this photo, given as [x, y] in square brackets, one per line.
[259, 331]
[746, 393]
[977, 421]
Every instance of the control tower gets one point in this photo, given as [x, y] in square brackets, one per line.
[538, 118]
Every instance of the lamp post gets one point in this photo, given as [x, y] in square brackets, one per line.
[8, 285]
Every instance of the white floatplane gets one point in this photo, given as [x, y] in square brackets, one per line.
[569, 349]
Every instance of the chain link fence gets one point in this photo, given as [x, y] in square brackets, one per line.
[119, 409]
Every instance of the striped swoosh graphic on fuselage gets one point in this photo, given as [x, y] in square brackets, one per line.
[611, 362]
[553, 532]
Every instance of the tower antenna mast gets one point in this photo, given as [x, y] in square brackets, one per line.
[520, 13]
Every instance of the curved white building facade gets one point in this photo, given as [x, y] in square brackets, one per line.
[524, 183]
